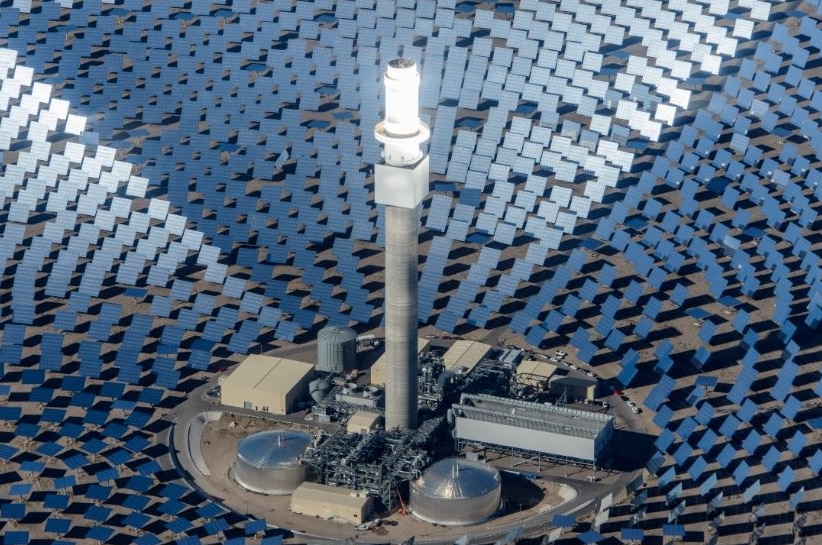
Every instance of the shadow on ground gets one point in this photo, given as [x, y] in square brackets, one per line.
[631, 450]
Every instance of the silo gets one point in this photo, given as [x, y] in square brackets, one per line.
[268, 462]
[336, 349]
[456, 491]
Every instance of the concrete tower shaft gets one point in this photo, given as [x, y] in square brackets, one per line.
[401, 232]
[401, 183]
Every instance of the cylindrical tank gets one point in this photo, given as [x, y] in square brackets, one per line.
[336, 349]
[456, 491]
[268, 462]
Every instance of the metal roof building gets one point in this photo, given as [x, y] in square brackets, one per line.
[465, 354]
[332, 502]
[574, 387]
[557, 432]
[267, 383]
[535, 373]
[363, 422]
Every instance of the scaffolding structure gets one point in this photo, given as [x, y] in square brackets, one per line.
[377, 463]
[433, 381]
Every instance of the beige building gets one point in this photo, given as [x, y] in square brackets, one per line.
[575, 388]
[332, 502]
[378, 370]
[363, 422]
[535, 373]
[465, 355]
[266, 383]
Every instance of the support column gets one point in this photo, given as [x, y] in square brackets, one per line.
[401, 326]
[401, 183]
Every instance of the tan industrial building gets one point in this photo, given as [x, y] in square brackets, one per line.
[535, 373]
[332, 502]
[363, 422]
[266, 383]
[574, 387]
[379, 369]
[464, 355]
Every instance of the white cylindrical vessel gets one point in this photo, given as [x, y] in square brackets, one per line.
[268, 462]
[456, 491]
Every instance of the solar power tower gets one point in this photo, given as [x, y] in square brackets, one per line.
[401, 183]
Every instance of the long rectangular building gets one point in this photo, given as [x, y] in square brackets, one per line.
[332, 503]
[557, 432]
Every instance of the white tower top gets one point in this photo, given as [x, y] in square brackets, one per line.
[401, 131]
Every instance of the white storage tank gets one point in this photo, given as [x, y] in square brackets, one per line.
[268, 462]
[456, 491]
[336, 349]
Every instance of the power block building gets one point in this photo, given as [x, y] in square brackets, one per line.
[556, 432]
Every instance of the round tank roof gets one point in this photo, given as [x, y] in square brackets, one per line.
[273, 448]
[457, 478]
[336, 333]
